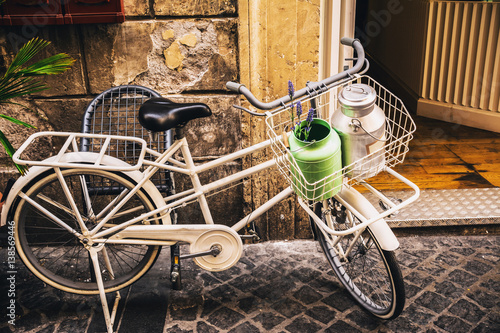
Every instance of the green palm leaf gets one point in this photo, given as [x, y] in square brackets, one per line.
[10, 151]
[55, 64]
[20, 87]
[16, 121]
[19, 81]
[26, 53]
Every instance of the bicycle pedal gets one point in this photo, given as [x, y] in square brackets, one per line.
[254, 232]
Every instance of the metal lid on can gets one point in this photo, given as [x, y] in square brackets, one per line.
[357, 99]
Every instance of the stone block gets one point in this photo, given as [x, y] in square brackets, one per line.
[452, 324]
[223, 63]
[224, 318]
[168, 56]
[192, 55]
[208, 138]
[116, 54]
[17, 134]
[195, 8]
[65, 40]
[226, 207]
[46, 115]
[136, 7]
[303, 325]
[218, 134]
[65, 115]
[5, 174]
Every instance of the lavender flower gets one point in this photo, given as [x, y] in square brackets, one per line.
[291, 92]
[291, 89]
[309, 120]
[299, 110]
[297, 129]
[310, 115]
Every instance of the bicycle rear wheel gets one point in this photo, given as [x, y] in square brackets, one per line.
[55, 255]
[370, 274]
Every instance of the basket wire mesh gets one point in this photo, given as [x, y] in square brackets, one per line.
[114, 112]
[399, 131]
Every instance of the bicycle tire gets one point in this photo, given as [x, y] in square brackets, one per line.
[371, 275]
[57, 257]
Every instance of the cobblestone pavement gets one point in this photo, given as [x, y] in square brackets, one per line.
[452, 285]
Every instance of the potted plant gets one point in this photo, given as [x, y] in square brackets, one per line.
[19, 80]
[315, 154]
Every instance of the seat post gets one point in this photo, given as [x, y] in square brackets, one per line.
[179, 132]
[153, 136]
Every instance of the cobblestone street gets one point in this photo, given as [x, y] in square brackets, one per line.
[452, 285]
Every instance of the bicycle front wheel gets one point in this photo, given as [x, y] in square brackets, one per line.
[369, 273]
[57, 256]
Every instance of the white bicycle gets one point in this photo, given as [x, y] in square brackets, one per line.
[88, 223]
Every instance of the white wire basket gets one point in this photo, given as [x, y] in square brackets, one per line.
[399, 131]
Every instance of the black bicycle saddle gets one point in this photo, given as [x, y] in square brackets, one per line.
[161, 114]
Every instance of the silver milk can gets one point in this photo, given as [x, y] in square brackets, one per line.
[361, 126]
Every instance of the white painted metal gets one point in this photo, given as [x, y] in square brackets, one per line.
[76, 159]
[347, 197]
[49, 214]
[201, 237]
[264, 208]
[100, 285]
[58, 160]
[202, 200]
[367, 214]
[71, 200]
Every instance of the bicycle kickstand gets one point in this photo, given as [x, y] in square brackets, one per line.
[109, 317]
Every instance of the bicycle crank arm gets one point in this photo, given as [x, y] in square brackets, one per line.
[202, 238]
[214, 251]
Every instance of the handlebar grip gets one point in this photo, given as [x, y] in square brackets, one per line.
[348, 41]
[233, 86]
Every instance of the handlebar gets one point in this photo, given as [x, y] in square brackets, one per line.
[311, 86]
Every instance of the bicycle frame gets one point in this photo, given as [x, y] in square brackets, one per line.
[147, 233]
[164, 235]
[167, 234]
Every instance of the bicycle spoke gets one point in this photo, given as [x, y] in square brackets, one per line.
[70, 199]
[48, 228]
[56, 204]
[86, 197]
[121, 257]
[112, 204]
[48, 214]
[45, 228]
[71, 256]
[76, 270]
[369, 274]
[54, 261]
[117, 261]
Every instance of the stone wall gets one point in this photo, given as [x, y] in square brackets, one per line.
[187, 51]
[278, 41]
